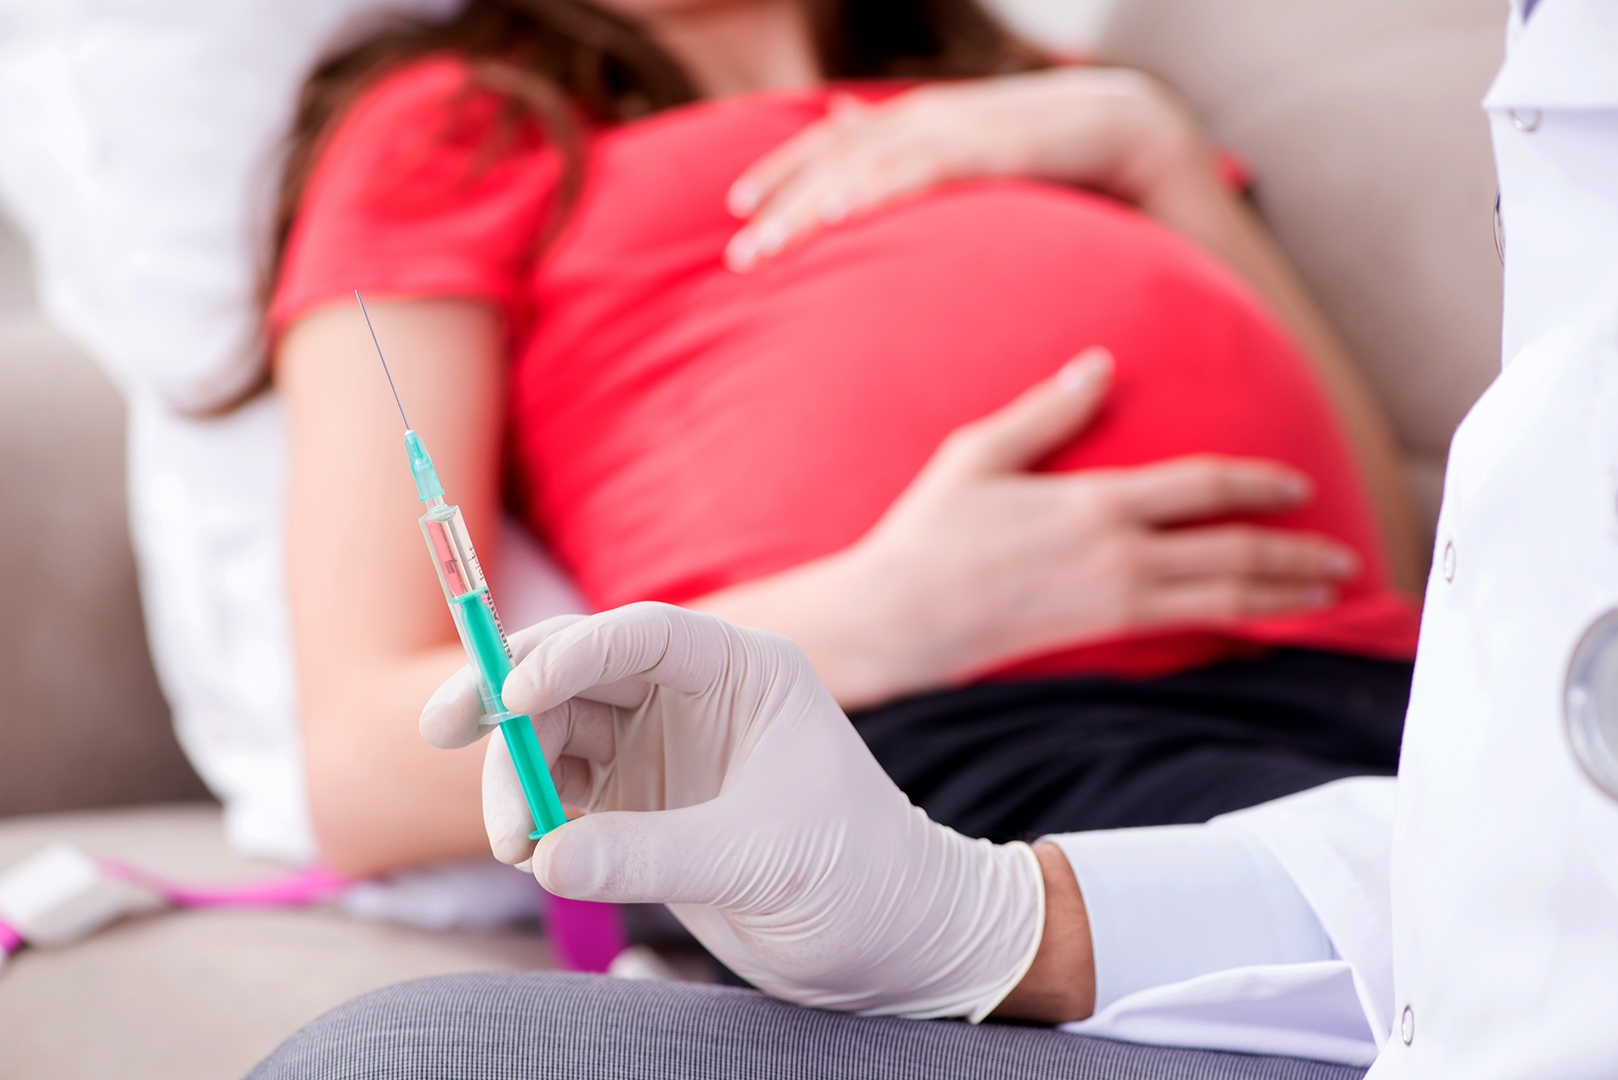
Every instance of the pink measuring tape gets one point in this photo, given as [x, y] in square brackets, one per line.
[62, 895]
[584, 936]
[299, 889]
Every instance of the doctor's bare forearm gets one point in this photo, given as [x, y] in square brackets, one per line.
[1193, 201]
[1060, 986]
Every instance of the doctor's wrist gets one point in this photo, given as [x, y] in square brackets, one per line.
[1060, 986]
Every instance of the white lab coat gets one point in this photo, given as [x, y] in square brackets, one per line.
[1474, 901]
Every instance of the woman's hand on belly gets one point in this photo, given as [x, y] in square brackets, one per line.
[1111, 129]
[981, 562]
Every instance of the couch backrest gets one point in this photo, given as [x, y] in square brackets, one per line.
[82, 722]
[1373, 167]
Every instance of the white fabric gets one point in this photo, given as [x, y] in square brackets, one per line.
[1071, 26]
[1170, 904]
[717, 774]
[480, 896]
[140, 140]
[1479, 934]
[1556, 195]
[1505, 858]
[1505, 886]
[205, 512]
[1333, 843]
[1308, 1010]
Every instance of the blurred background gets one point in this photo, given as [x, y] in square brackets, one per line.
[82, 720]
[135, 140]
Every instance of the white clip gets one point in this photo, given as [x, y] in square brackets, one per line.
[61, 895]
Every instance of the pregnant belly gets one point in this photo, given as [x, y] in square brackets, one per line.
[770, 418]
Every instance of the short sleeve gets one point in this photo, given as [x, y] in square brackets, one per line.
[427, 187]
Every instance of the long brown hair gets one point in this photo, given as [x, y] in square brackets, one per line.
[557, 61]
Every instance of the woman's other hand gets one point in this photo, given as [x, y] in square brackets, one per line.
[981, 562]
[1111, 129]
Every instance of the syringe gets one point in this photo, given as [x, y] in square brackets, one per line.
[475, 619]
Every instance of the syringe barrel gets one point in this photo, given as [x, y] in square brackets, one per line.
[484, 639]
[469, 602]
[451, 545]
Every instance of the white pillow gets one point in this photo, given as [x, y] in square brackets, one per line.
[137, 151]
[136, 146]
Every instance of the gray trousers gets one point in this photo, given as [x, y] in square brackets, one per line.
[541, 1025]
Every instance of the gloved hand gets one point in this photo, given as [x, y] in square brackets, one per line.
[718, 776]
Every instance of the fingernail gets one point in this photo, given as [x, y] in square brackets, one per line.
[742, 200]
[519, 685]
[771, 236]
[571, 866]
[508, 831]
[741, 252]
[526, 866]
[1085, 369]
[1294, 488]
[1341, 564]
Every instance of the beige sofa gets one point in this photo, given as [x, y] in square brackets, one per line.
[1372, 159]
[83, 726]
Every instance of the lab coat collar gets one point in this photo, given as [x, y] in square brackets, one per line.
[1561, 57]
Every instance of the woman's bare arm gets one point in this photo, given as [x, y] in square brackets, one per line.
[372, 636]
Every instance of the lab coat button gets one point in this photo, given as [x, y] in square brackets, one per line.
[1449, 560]
[1499, 230]
[1407, 1025]
[1527, 121]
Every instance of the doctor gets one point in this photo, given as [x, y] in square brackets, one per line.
[1459, 921]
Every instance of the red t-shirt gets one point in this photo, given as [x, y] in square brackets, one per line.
[679, 428]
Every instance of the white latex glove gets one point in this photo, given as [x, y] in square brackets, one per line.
[718, 776]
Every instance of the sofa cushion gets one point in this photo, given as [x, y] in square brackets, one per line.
[200, 993]
[1372, 162]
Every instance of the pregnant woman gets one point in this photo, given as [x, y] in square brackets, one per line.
[861, 322]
